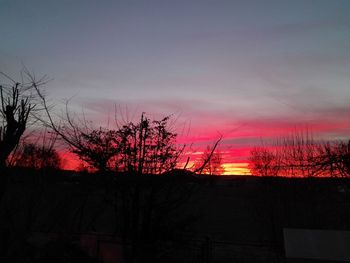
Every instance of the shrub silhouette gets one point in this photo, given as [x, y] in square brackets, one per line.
[37, 157]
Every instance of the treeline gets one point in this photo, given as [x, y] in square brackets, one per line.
[300, 155]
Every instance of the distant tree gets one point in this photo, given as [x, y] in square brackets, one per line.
[334, 158]
[263, 162]
[214, 165]
[298, 154]
[342, 150]
[291, 155]
[38, 157]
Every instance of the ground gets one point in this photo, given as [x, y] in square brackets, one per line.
[233, 218]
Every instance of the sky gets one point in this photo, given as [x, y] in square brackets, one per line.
[246, 70]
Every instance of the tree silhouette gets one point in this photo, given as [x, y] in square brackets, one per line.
[263, 162]
[96, 148]
[342, 150]
[334, 158]
[214, 165]
[37, 157]
[147, 147]
[292, 155]
[298, 154]
[16, 106]
[144, 147]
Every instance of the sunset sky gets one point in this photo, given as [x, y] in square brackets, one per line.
[248, 70]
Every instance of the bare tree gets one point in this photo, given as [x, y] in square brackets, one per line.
[97, 148]
[264, 162]
[93, 146]
[292, 155]
[18, 109]
[210, 152]
[299, 154]
[214, 165]
[342, 150]
[334, 159]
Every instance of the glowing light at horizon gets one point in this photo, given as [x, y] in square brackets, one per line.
[236, 169]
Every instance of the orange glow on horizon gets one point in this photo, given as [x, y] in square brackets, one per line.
[236, 169]
[71, 162]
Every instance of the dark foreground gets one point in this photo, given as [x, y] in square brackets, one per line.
[66, 217]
